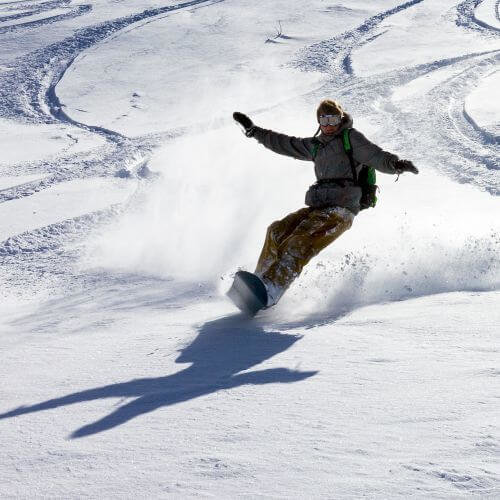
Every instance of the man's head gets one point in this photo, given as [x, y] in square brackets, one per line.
[329, 115]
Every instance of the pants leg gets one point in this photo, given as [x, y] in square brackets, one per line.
[277, 232]
[317, 229]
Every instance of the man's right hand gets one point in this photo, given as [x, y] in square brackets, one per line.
[405, 166]
[244, 121]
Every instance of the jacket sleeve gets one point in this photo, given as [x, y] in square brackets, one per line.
[370, 154]
[300, 149]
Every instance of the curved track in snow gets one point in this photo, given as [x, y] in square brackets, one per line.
[28, 93]
[467, 19]
[395, 400]
[334, 56]
[446, 128]
[39, 18]
[28, 90]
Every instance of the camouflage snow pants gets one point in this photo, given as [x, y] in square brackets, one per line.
[293, 241]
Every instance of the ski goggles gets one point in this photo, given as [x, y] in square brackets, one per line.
[330, 120]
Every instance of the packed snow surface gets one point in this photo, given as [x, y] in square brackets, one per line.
[128, 199]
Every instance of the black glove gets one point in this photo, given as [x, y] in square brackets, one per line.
[405, 166]
[245, 122]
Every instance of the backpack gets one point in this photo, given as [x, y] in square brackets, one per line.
[366, 179]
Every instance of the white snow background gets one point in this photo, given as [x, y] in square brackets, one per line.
[129, 197]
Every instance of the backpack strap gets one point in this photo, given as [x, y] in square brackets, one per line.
[346, 142]
[316, 143]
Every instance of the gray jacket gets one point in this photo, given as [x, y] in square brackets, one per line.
[331, 162]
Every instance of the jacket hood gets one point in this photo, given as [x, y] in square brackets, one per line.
[346, 123]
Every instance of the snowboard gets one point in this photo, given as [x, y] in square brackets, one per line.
[248, 293]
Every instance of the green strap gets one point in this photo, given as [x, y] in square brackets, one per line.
[346, 141]
[348, 151]
[314, 150]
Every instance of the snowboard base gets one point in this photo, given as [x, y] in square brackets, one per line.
[248, 293]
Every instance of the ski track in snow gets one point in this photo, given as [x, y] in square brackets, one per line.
[27, 92]
[452, 128]
[467, 19]
[41, 20]
[337, 51]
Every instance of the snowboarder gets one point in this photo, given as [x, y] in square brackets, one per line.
[344, 160]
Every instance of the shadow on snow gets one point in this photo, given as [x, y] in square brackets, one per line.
[222, 349]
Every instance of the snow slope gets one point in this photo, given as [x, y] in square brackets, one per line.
[128, 198]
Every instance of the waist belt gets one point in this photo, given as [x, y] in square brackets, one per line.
[340, 181]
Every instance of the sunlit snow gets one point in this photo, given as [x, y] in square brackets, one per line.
[129, 198]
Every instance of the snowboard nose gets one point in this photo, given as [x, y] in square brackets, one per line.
[248, 293]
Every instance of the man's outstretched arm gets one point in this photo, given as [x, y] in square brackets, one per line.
[296, 147]
[368, 153]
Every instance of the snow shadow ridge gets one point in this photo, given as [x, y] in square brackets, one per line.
[222, 350]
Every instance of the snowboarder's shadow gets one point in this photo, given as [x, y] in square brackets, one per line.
[220, 352]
